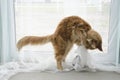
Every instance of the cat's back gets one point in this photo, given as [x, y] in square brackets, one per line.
[70, 23]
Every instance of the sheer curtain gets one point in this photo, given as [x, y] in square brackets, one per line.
[7, 32]
[8, 54]
[114, 32]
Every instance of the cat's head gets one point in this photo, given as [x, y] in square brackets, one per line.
[93, 40]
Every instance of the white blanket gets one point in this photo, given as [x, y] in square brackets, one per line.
[83, 60]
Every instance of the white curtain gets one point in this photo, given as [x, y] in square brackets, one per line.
[114, 32]
[7, 33]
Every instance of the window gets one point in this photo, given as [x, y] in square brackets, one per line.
[41, 17]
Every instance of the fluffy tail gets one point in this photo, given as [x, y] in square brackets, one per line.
[33, 40]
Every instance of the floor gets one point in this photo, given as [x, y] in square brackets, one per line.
[72, 75]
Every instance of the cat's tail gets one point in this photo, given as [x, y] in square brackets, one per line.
[33, 40]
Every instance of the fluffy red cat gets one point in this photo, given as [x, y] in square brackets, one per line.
[71, 30]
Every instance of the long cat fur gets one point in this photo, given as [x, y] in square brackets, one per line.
[71, 30]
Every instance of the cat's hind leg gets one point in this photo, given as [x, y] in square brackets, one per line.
[59, 54]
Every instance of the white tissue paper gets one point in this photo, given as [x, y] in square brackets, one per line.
[83, 60]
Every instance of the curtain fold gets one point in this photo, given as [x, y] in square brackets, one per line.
[114, 32]
[0, 36]
[7, 33]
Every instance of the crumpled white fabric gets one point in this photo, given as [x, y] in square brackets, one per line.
[28, 62]
[46, 62]
[83, 60]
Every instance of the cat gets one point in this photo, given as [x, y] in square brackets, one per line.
[71, 30]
